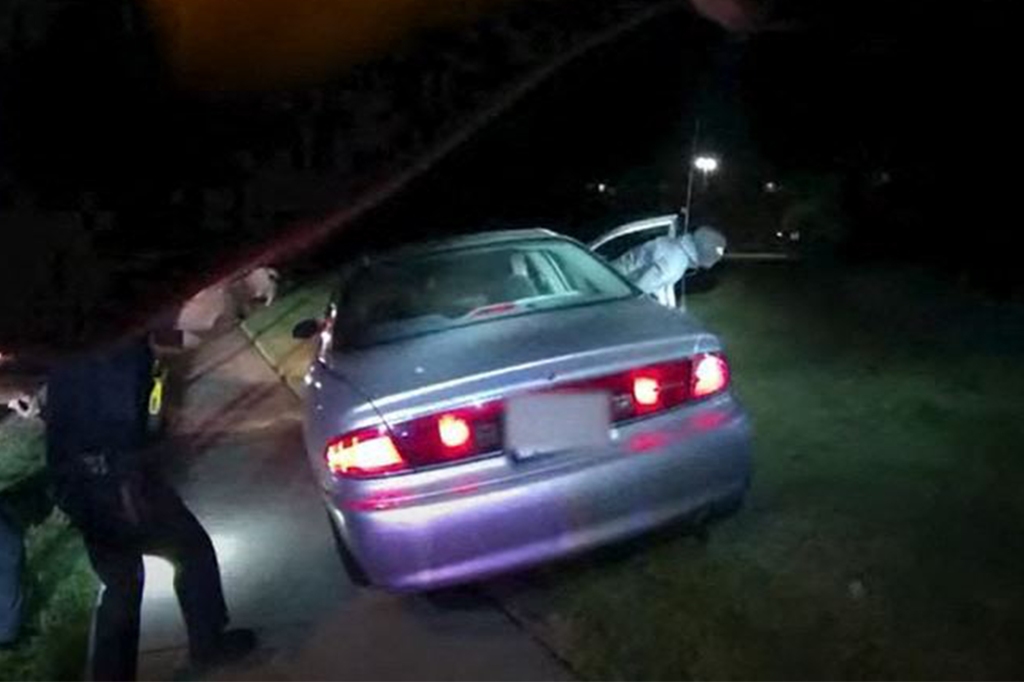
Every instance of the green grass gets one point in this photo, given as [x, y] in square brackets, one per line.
[271, 328]
[61, 590]
[882, 536]
[21, 451]
[58, 584]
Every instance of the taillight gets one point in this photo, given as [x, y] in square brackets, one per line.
[710, 375]
[434, 439]
[475, 430]
[451, 435]
[368, 452]
[454, 431]
[658, 387]
[646, 391]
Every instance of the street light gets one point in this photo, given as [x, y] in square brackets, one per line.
[706, 165]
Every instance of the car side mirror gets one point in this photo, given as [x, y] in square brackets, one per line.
[306, 329]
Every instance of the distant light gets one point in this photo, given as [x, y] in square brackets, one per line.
[706, 164]
[770, 186]
[601, 187]
[778, 234]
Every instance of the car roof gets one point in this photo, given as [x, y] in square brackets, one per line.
[490, 238]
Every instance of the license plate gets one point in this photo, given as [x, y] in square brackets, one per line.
[556, 422]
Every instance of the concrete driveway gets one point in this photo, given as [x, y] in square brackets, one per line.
[236, 456]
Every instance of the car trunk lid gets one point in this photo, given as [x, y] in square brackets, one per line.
[496, 357]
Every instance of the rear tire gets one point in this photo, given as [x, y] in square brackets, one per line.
[353, 570]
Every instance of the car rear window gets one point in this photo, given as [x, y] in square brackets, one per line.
[390, 299]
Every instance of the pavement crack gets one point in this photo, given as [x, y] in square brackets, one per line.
[524, 625]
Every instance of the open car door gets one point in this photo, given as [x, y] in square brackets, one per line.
[613, 244]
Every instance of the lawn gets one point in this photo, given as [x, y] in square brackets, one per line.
[882, 536]
[59, 587]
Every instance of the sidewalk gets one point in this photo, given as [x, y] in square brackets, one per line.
[242, 470]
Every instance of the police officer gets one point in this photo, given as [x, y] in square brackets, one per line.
[104, 480]
[662, 262]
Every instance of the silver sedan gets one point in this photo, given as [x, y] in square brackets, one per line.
[491, 402]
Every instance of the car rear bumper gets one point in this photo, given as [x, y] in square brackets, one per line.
[658, 470]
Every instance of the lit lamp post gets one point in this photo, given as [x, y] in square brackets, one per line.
[706, 165]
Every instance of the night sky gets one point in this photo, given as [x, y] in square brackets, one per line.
[868, 92]
[903, 109]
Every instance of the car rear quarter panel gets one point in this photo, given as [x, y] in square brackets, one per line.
[333, 406]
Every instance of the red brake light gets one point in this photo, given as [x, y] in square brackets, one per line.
[710, 375]
[450, 436]
[363, 453]
[471, 431]
[646, 391]
[453, 430]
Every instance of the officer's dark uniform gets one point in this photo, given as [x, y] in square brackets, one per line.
[96, 437]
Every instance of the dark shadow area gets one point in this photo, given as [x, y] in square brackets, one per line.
[162, 190]
[463, 598]
[28, 501]
[151, 190]
[697, 530]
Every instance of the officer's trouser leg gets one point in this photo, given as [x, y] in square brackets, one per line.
[177, 536]
[115, 638]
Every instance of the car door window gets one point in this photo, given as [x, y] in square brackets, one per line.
[420, 293]
[547, 274]
[615, 247]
